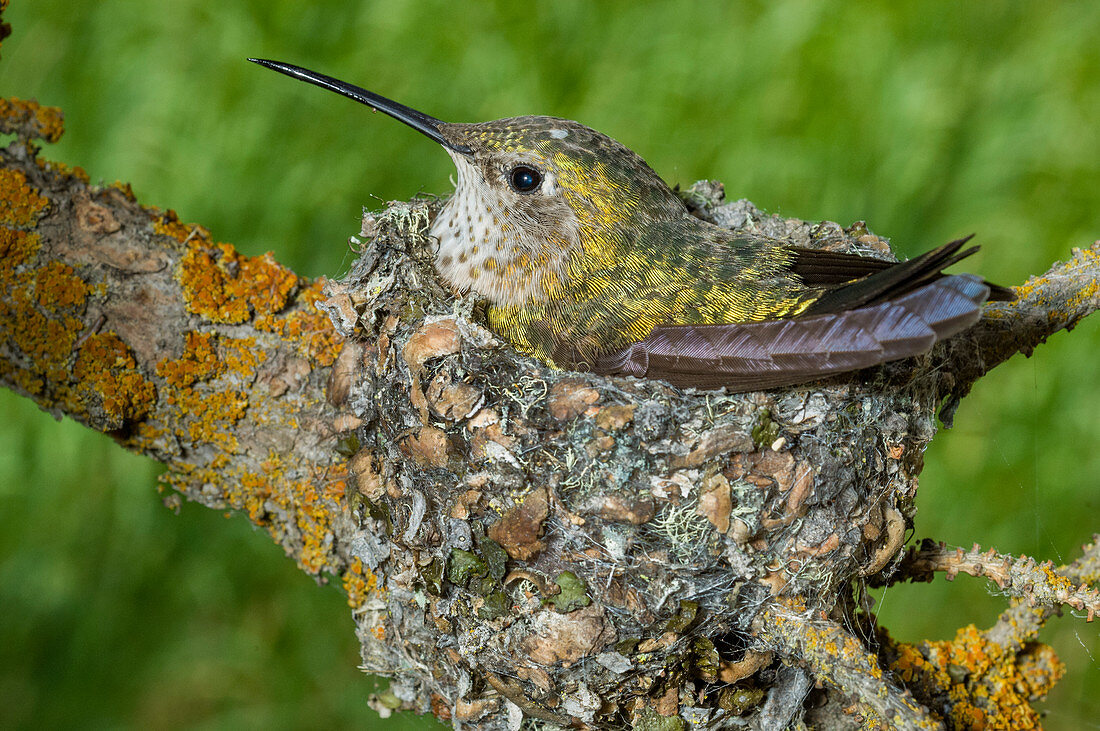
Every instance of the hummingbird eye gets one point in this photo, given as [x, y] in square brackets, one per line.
[525, 179]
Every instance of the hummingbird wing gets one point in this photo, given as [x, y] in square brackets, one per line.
[758, 355]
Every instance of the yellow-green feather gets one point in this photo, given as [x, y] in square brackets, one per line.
[641, 260]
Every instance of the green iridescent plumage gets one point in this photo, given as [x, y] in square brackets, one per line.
[637, 258]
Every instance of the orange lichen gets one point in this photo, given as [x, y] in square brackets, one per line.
[1037, 286]
[208, 416]
[31, 119]
[1040, 668]
[127, 191]
[57, 287]
[206, 389]
[249, 494]
[987, 685]
[44, 342]
[359, 583]
[199, 361]
[304, 510]
[169, 224]
[1088, 292]
[241, 355]
[308, 326]
[839, 658]
[224, 286]
[20, 204]
[64, 170]
[316, 504]
[109, 382]
[38, 308]
[16, 248]
[207, 356]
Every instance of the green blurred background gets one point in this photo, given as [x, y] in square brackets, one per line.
[929, 122]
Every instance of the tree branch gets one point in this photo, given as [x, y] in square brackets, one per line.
[216, 364]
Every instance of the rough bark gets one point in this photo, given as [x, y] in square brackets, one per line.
[517, 541]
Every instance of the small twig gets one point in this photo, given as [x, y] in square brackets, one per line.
[1035, 583]
[1021, 622]
[1045, 304]
[89, 332]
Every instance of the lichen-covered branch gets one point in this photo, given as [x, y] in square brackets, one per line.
[1048, 303]
[998, 673]
[1021, 622]
[836, 656]
[123, 318]
[973, 681]
[1020, 577]
[512, 539]
[30, 120]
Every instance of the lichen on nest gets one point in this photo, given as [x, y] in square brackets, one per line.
[489, 487]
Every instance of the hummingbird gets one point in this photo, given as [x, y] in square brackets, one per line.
[589, 261]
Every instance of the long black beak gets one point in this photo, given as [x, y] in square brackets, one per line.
[417, 120]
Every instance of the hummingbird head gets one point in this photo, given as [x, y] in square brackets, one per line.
[537, 199]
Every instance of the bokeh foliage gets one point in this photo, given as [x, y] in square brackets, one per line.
[927, 120]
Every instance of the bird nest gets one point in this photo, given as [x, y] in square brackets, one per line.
[557, 548]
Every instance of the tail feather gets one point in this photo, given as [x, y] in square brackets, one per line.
[758, 355]
[893, 281]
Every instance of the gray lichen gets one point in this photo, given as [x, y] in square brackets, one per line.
[594, 551]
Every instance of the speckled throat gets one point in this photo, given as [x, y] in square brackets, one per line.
[508, 254]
